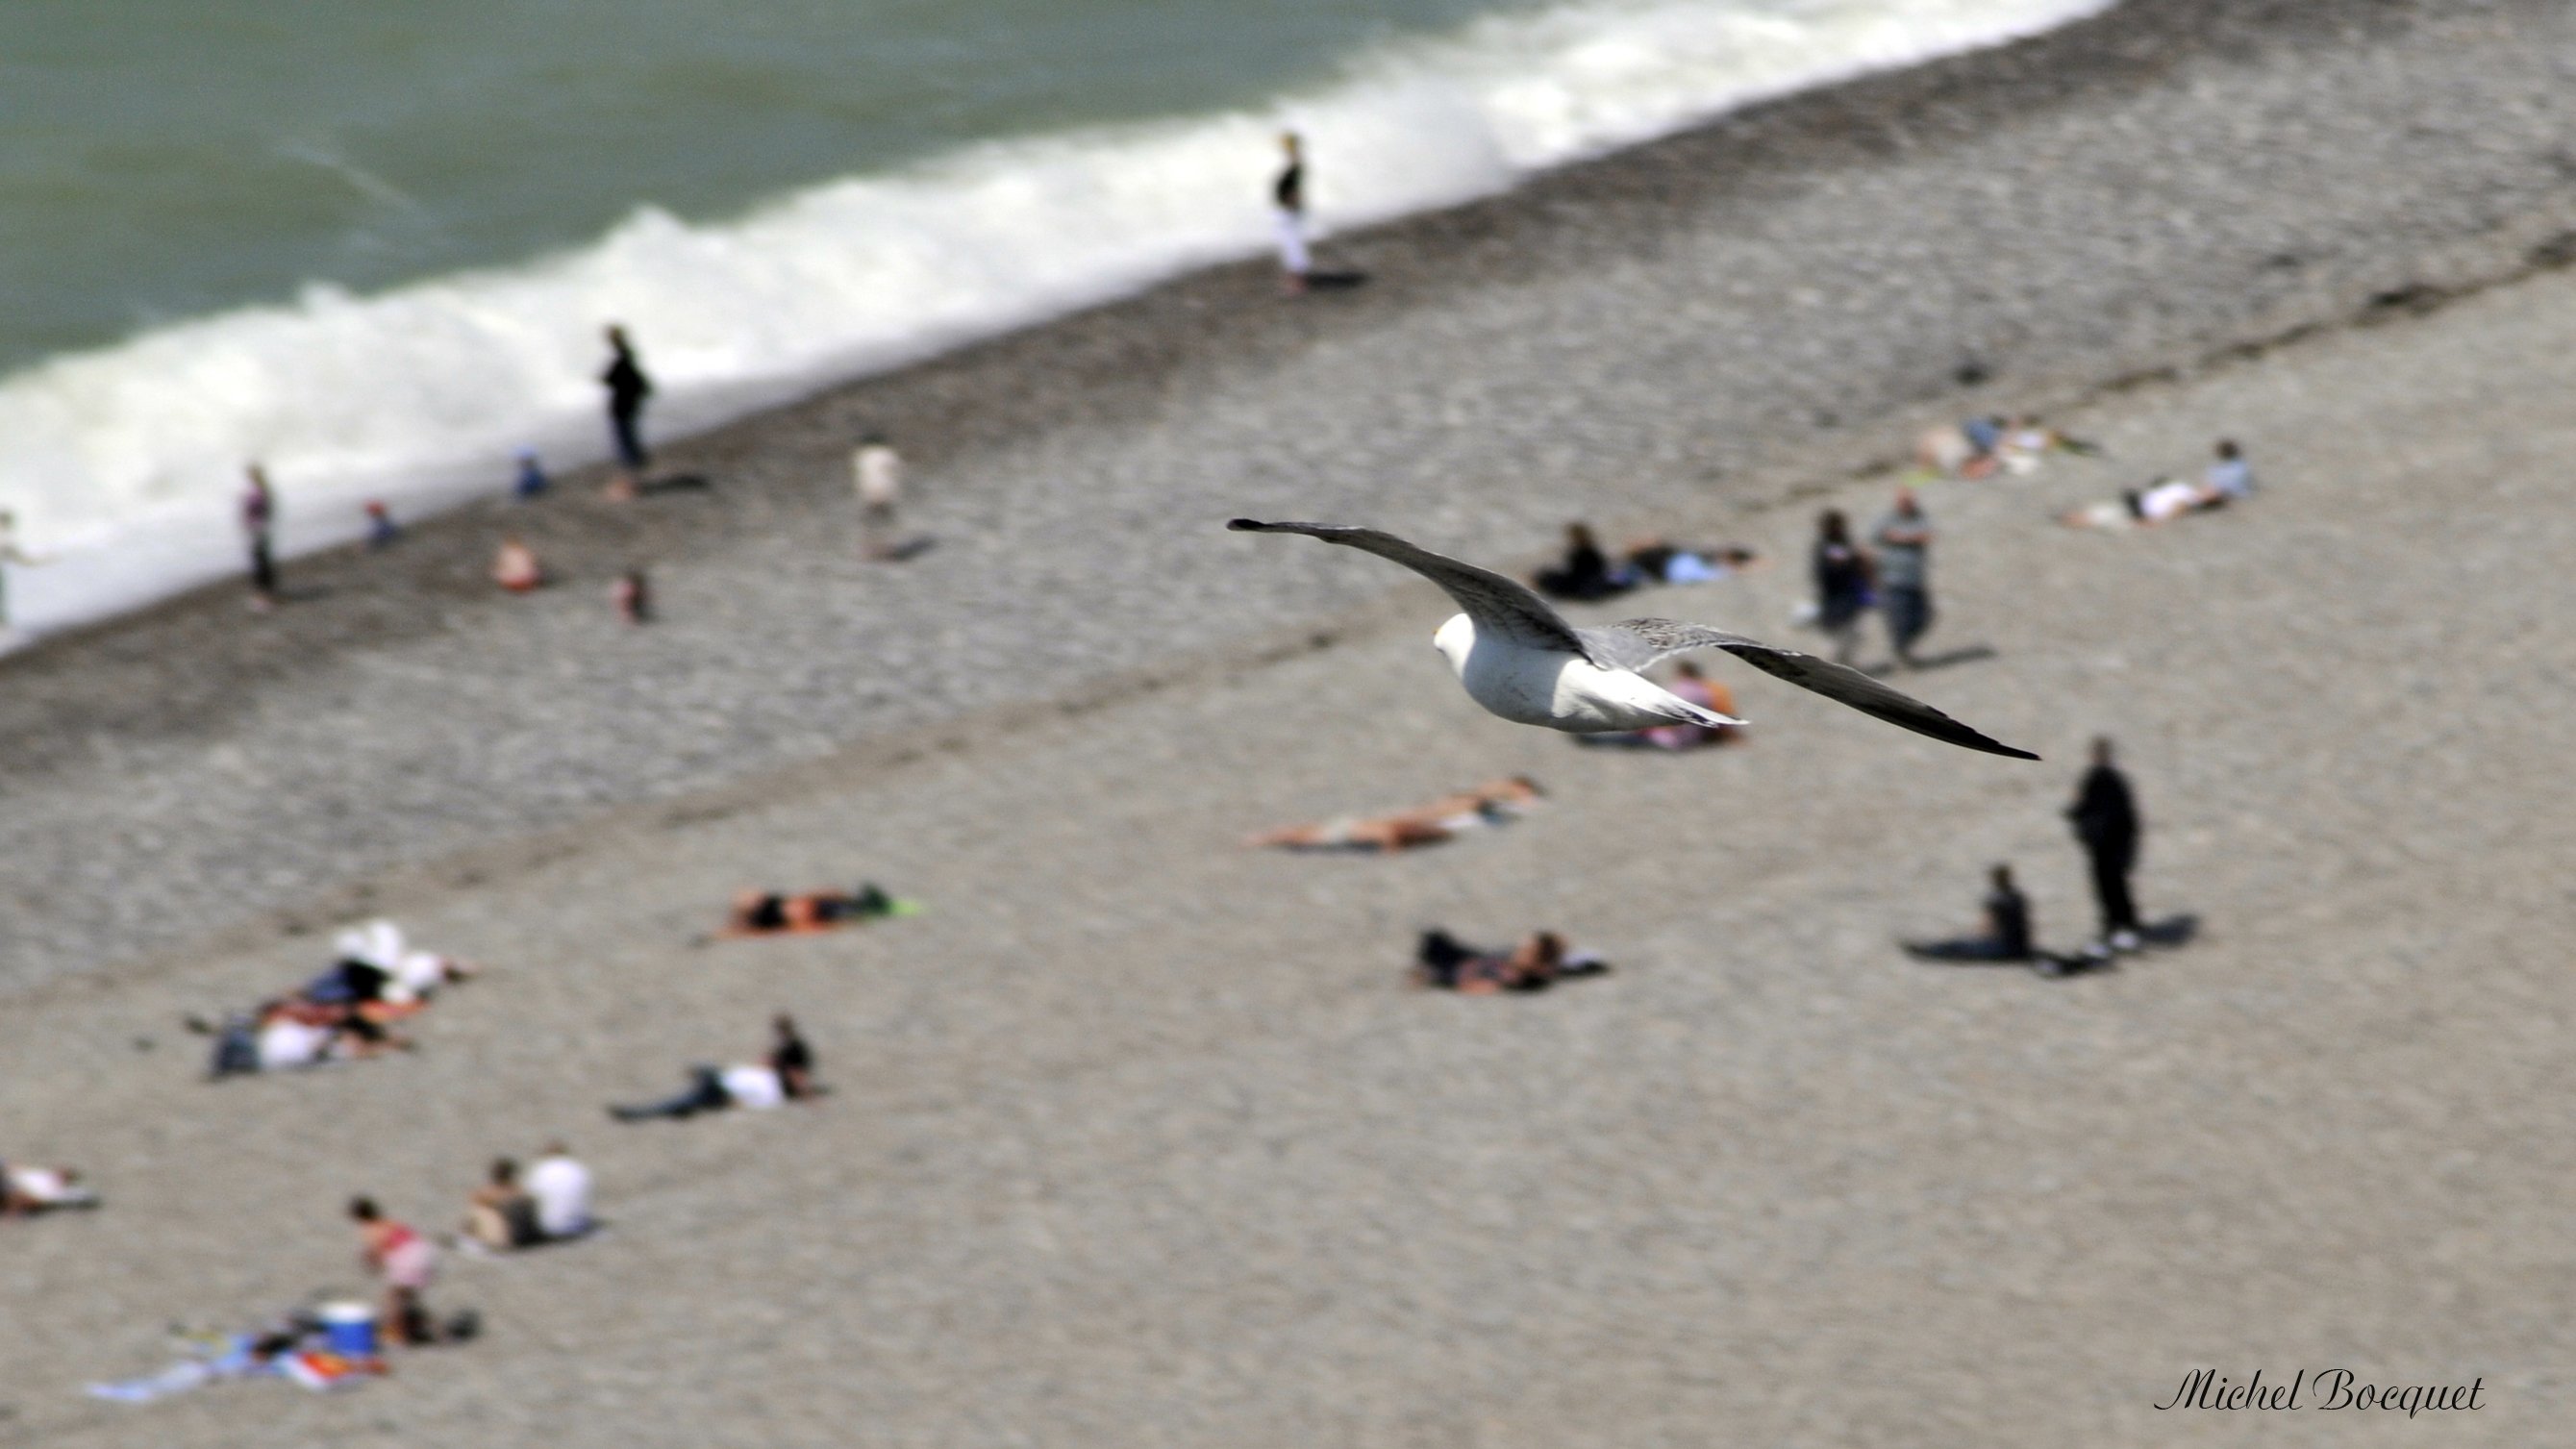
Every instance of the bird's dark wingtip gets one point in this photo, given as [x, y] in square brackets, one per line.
[1246, 525]
[2016, 754]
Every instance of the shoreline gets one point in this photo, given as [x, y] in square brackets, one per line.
[102, 702]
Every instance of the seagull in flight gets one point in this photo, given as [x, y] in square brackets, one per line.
[1520, 659]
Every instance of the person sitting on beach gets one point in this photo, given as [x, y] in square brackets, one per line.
[515, 567]
[768, 913]
[1688, 684]
[561, 1187]
[1585, 573]
[382, 531]
[530, 478]
[1659, 561]
[2229, 477]
[786, 1074]
[1541, 960]
[2004, 934]
[501, 1214]
[1490, 804]
[27, 1189]
[405, 1260]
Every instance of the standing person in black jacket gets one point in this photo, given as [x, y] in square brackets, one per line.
[2106, 821]
[627, 388]
[1288, 203]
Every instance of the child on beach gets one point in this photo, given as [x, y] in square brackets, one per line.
[405, 1261]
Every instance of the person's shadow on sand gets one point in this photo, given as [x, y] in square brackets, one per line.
[2172, 931]
[1964, 654]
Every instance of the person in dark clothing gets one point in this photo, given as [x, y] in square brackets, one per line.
[628, 387]
[1842, 582]
[706, 1093]
[790, 1058]
[2006, 936]
[1288, 203]
[1585, 574]
[259, 525]
[2105, 817]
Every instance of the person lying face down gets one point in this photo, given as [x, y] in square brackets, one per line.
[762, 913]
[1491, 803]
[1541, 960]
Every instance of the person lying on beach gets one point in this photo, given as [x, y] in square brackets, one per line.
[2162, 501]
[767, 913]
[292, 1032]
[1541, 960]
[1656, 560]
[27, 1189]
[2027, 440]
[1585, 574]
[1687, 683]
[502, 1215]
[1494, 803]
[515, 567]
[785, 1075]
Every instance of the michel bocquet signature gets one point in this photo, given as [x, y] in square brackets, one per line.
[2325, 1389]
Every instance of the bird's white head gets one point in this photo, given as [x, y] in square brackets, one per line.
[1454, 639]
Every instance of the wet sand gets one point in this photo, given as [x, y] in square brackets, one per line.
[1137, 1137]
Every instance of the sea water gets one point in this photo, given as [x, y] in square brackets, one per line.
[372, 246]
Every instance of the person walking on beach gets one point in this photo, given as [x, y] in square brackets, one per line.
[405, 1260]
[876, 473]
[259, 523]
[2105, 817]
[1904, 542]
[1842, 582]
[1288, 201]
[628, 387]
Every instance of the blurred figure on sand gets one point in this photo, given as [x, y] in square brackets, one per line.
[633, 595]
[259, 523]
[2105, 817]
[1288, 205]
[1842, 576]
[1904, 573]
[515, 567]
[628, 387]
[530, 480]
[381, 528]
[876, 475]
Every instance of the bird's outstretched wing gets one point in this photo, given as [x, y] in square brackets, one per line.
[1637, 643]
[1498, 605]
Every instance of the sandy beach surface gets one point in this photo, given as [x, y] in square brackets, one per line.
[1137, 1136]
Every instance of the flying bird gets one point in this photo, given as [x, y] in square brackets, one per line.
[1520, 659]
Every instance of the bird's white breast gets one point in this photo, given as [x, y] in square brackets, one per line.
[1549, 687]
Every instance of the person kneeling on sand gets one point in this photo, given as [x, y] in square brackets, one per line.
[515, 567]
[1541, 960]
[501, 1214]
[1491, 804]
[785, 1075]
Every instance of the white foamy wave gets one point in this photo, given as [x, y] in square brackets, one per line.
[121, 464]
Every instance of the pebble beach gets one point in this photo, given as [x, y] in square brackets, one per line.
[1137, 1136]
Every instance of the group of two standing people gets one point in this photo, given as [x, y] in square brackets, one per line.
[1897, 580]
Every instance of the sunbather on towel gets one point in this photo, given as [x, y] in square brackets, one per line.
[1541, 960]
[1492, 803]
[767, 913]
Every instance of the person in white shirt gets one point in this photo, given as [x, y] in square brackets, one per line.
[876, 472]
[561, 1187]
